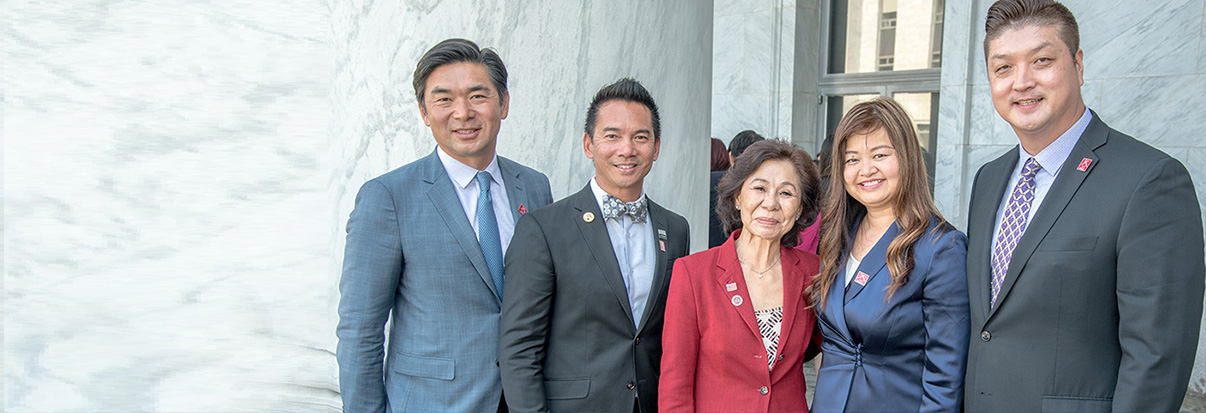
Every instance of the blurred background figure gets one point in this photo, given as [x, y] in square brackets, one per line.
[740, 142]
[720, 156]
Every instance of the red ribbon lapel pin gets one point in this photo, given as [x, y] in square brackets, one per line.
[1084, 164]
[522, 209]
[861, 278]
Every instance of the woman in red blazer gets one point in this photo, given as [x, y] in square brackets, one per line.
[738, 327]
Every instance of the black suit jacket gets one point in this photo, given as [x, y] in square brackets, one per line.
[1100, 308]
[567, 340]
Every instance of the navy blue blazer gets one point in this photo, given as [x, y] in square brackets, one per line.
[908, 353]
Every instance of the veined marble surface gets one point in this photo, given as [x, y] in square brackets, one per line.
[178, 174]
[164, 183]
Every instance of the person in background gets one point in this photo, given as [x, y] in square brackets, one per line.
[1085, 260]
[425, 247]
[747, 296]
[716, 233]
[891, 296]
[720, 156]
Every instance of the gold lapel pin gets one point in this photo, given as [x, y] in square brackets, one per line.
[588, 217]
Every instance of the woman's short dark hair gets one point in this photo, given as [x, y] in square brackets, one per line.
[753, 158]
[720, 156]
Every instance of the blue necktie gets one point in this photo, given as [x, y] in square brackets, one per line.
[487, 232]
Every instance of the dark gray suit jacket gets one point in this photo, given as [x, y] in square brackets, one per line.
[567, 341]
[1100, 308]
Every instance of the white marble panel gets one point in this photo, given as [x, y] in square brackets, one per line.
[807, 47]
[1121, 39]
[804, 122]
[1156, 110]
[948, 183]
[728, 55]
[734, 113]
[757, 64]
[165, 188]
[1202, 41]
[958, 33]
[734, 7]
[987, 126]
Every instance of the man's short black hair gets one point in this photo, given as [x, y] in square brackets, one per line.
[626, 89]
[743, 140]
[455, 51]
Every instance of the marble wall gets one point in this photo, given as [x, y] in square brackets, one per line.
[177, 174]
[765, 68]
[1145, 75]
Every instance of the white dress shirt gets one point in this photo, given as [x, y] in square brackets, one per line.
[1051, 159]
[464, 179]
[633, 245]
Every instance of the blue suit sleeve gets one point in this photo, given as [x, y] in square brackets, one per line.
[372, 267]
[946, 316]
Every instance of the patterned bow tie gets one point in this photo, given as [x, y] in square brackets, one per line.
[613, 207]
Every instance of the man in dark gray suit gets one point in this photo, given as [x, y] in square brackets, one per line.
[587, 276]
[425, 247]
[1085, 255]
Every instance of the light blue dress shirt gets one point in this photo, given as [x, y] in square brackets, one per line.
[1051, 159]
[464, 179]
[633, 245]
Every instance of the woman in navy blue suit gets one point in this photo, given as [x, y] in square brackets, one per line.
[891, 298]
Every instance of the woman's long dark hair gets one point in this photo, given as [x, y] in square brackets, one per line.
[912, 202]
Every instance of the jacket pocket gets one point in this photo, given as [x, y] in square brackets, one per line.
[431, 367]
[1063, 404]
[567, 389]
[1069, 244]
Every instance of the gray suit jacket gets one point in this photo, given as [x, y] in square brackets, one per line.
[1101, 304]
[412, 254]
[567, 338]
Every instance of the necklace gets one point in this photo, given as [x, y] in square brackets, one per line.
[760, 273]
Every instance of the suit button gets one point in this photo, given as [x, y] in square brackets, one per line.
[763, 390]
[984, 335]
[631, 386]
[638, 340]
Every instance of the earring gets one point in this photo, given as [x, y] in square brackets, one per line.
[738, 206]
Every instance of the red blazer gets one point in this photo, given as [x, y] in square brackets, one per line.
[713, 359]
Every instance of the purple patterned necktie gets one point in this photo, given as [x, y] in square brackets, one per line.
[1013, 224]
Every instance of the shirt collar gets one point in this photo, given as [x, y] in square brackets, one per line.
[464, 175]
[599, 192]
[1053, 156]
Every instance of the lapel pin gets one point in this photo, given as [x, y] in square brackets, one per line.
[588, 217]
[861, 278]
[730, 287]
[736, 300]
[522, 209]
[662, 243]
[1084, 164]
[661, 234]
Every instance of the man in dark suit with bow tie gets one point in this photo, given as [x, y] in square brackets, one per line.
[587, 276]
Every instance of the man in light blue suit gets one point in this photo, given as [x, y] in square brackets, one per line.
[425, 245]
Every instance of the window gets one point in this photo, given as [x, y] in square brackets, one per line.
[883, 48]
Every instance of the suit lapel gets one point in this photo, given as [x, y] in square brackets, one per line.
[984, 221]
[793, 289]
[444, 199]
[873, 263]
[1062, 189]
[729, 275]
[835, 306]
[661, 241]
[599, 242]
[516, 193]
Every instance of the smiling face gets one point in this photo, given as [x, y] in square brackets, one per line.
[1035, 83]
[623, 148]
[769, 200]
[464, 112]
[871, 170]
